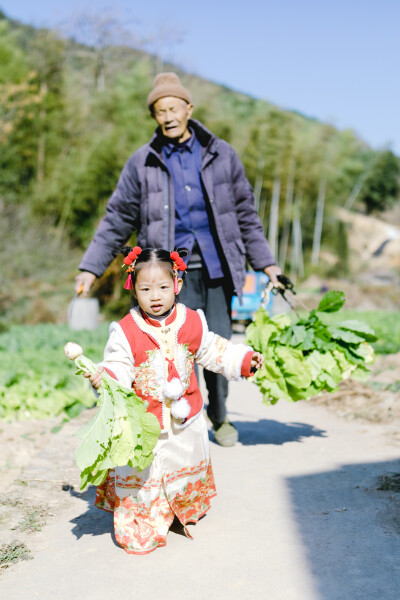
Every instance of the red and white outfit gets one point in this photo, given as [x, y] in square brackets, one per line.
[156, 359]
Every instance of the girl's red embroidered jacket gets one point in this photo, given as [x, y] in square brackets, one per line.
[145, 354]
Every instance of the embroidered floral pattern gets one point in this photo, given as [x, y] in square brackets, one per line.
[148, 375]
[185, 362]
[194, 499]
[141, 526]
[220, 348]
[105, 495]
[139, 529]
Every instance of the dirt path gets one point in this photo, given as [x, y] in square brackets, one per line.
[298, 516]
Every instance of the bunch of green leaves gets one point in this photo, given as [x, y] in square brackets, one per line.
[121, 432]
[307, 355]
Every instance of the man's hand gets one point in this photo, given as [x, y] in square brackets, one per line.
[83, 282]
[273, 271]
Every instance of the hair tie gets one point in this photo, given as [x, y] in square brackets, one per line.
[130, 261]
[178, 265]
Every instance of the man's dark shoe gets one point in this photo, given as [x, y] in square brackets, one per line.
[225, 433]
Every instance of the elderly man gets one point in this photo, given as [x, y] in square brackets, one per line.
[187, 188]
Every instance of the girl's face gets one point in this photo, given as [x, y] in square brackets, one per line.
[154, 289]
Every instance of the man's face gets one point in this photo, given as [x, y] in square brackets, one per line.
[172, 115]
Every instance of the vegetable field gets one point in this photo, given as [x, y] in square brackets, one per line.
[37, 381]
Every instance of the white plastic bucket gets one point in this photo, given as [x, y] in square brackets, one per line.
[83, 313]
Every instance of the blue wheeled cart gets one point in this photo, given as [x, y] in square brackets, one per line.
[254, 286]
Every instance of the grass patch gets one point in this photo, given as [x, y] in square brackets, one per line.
[33, 520]
[13, 553]
[10, 501]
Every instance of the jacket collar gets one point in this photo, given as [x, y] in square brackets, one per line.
[155, 322]
[189, 145]
[205, 137]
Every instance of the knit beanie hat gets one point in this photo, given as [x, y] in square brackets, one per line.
[167, 84]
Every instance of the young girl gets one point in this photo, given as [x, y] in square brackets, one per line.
[153, 349]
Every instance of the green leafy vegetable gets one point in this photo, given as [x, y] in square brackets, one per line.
[35, 378]
[331, 302]
[307, 355]
[121, 433]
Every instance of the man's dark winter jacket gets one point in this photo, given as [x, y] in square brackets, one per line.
[144, 201]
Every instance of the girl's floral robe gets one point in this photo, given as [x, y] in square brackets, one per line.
[179, 482]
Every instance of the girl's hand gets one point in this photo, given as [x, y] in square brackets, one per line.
[256, 361]
[95, 379]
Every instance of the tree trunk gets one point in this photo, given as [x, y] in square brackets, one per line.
[274, 217]
[319, 218]
[263, 209]
[287, 215]
[41, 154]
[359, 185]
[257, 193]
[296, 253]
[258, 183]
[100, 76]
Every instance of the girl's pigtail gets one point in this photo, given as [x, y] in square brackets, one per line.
[182, 251]
[126, 249]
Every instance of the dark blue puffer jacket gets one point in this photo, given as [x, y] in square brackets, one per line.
[144, 201]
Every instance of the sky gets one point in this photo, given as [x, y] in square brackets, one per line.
[335, 60]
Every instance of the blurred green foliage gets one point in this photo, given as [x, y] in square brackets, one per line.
[386, 325]
[381, 188]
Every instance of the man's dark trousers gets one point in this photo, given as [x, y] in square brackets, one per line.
[214, 297]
